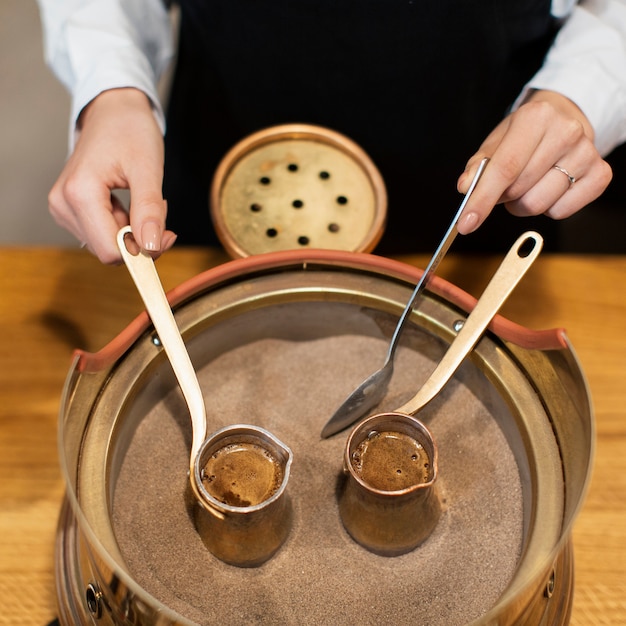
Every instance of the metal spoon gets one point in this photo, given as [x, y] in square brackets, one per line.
[143, 272]
[371, 391]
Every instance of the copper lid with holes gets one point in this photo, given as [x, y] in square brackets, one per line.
[297, 186]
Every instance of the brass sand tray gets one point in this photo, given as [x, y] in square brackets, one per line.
[279, 340]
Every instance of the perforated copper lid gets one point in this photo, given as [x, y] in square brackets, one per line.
[297, 186]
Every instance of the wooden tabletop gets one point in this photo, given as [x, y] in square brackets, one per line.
[53, 301]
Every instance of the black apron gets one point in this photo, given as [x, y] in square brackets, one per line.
[417, 83]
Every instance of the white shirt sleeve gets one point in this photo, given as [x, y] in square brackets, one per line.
[95, 45]
[587, 63]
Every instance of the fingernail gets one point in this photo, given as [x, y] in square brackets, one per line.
[151, 236]
[460, 181]
[172, 240]
[469, 223]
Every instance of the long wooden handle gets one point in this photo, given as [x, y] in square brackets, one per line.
[515, 264]
[143, 272]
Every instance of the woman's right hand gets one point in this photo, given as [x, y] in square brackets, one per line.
[120, 146]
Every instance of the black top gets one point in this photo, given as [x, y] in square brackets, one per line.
[417, 83]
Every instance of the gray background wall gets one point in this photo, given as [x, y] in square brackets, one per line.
[34, 110]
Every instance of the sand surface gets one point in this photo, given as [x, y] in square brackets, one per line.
[320, 576]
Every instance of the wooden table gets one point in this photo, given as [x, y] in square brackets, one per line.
[53, 301]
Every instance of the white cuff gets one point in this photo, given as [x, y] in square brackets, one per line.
[587, 64]
[115, 75]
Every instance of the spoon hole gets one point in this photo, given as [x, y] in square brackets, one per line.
[526, 247]
[131, 245]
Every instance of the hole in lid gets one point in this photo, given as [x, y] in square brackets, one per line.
[271, 232]
[292, 167]
[297, 204]
[255, 207]
[342, 200]
[333, 227]
[303, 240]
[265, 180]
[324, 175]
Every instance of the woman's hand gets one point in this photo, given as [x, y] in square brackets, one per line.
[120, 146]
[542, 160]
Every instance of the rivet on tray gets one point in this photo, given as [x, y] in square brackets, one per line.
[93, 598]
[550, 585]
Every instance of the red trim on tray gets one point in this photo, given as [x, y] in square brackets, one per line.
[551, 339]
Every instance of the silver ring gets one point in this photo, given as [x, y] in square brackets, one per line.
[572, 179]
